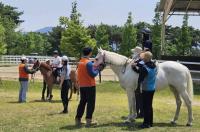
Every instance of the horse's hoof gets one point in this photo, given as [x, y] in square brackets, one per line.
[189, 124]
[173, 122]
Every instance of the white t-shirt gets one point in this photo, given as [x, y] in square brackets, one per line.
[57, 62]
[66, 72]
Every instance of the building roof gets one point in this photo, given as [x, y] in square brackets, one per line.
[179, 5]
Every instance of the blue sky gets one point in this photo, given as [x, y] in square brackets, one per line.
[43, 13]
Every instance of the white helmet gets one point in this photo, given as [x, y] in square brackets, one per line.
[24, 58]
[137, 49]
[47, 60]
[65, 58]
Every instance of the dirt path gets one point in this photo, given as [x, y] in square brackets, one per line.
[11, 72]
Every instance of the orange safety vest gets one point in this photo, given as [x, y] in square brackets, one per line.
[84, 79]
[22, 73]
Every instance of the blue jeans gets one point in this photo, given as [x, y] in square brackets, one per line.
[23, 90]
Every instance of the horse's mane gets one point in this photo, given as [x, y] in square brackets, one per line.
[116, 59]
[44, 65]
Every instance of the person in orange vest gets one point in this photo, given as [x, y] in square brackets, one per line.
[23, 79]
[86, 80]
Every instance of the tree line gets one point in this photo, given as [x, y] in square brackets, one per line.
[70, 36]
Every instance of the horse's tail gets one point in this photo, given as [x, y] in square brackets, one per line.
[189, 85]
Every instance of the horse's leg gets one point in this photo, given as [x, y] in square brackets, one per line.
[178, 104]
[131, 102]
[188, 103]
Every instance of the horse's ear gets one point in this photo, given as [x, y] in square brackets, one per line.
[100, 48]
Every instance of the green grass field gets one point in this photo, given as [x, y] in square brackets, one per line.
[111, 105]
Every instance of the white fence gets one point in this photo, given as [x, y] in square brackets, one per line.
[109, 75]
[15, 59]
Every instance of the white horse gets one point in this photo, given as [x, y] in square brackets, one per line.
[171, 75]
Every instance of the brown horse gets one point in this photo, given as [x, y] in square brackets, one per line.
[49, 78]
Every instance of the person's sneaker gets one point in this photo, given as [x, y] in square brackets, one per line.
[78, 122]
[42, 99]
[144, 126]
[139, 116]
[90, 122]
[65, 111]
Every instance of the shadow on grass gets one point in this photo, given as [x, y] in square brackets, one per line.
[124, 126]
[55, 113]
[70, 127]
[42, 101]
[14, 102]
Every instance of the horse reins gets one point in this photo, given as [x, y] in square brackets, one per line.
[124, 65]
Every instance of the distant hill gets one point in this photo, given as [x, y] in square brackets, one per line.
[44, 30]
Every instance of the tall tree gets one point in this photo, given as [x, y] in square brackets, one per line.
[10, 19]
[102, 37]
[75, 36]
[2, 40]
[129, 37]
[185, 39]
[156, 34]
[54, 38]
[75, 15]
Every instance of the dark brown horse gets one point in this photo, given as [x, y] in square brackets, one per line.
[49, 78]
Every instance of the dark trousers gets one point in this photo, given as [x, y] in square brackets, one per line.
[88, 96]
[64, 93]
[148, 109]
[44, 89]
[57, 72]
[139, 104]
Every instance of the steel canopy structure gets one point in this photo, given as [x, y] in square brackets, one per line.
[176, 7]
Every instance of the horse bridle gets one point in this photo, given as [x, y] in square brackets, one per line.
[37, 68]
[104, 63]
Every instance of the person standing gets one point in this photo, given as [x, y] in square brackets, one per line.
[86, 80]
[65, 83]
[147, 78]
[23, 79]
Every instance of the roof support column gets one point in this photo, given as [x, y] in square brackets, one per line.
[167, 9]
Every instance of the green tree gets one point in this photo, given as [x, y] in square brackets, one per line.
[129, 37]
[156, 35]
[54, 38]
[75, 15]
[2, 40]
[102, 37]
[30, 43]
[10, 19]
[75, 36]
[185, 39]
[74, 39]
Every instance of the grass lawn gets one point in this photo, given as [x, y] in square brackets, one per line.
[111, 105]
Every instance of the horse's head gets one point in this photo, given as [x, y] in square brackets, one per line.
[36, 65]
[100, 58]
